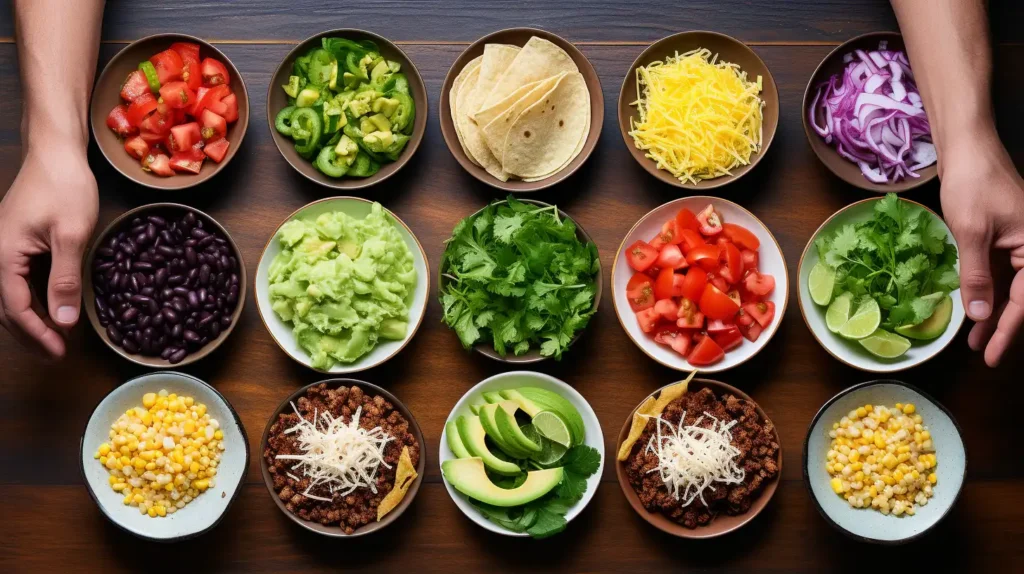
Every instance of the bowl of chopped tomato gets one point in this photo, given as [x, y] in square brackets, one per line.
[700, 283]
[169, 111]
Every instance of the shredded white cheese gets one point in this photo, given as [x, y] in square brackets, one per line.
[342, 457]
[693, 458]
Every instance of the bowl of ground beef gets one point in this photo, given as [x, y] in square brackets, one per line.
[665, 484]
[331, 476]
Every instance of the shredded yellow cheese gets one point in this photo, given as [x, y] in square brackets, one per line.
[699, 118]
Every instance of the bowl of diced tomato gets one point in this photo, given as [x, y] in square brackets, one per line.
[700, 283]
[169, 111]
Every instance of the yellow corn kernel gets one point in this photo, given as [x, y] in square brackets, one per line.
[925, 435]
[902, 449]
[888, 480]
[899, 406]
[837, 485]
[855, 466]
[889, 461]
[148, 400]
[884, 416]
[138, 463]
[873, 492]
[118, 487]
[104, 449]
[150, 466]
[908, 409]
[854, 455]
[897, 475]
[113, 479]
[869, 408]
[194, 467]
[217, 434]
[138, 498]
[201, 409]
[151, 512]
[861, 412]
[879, 441]
[835, 426]
[859, 477]
[169, 486]
[837, 467]
[178, 456]
[103, 460]
[914, 474]
[903, 457]
[203, 484]
[127, 500]
[933, 478]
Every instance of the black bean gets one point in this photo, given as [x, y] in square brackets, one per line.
[122, 283]
[204, 274]
[166, 293]
[142, 239]
[101, 305]
[158, 319]
[190, 242]
[176, 331]
[193, 300]
[176, 279]
[126, 248]
[205, 320]
[115, 280]
[202, 294]
[166, 353]
[170, 315]
[160, 277]
[101, 267]
[144, 321]
[215, 329]
[135, 283]
[151, 232]
[119, 256]
[130, 345]
[178, 356]
[113, 333]
[189, 219]
[205, 240]
[190, 323]
[190, 256]
[148, 291]
[129, 314]
[142, 266]
[179, 305]
[138, 228]
[136, 220]
[225, 321]
[105, 252]
[181, 291]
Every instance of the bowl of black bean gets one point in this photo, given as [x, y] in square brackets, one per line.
[165, 285]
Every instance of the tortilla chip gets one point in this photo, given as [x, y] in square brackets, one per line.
[538, 59]
[453, 100]
[546, 135]
[649, 409]
[498, 119]
[405, 475]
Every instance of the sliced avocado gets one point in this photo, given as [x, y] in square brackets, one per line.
[307, 97]
[379, 141]
[394, 66]
[451, 433]
[379, 72]
[488, 419]
[393, 329]
[366, 126]
[333, 83]
[494, 397]
[469, 477]
[382, 122]
[347, 148]
[386, 106]
[510, 430]
[534, 400]
[475, 409]
[292, 87]
[472, 434]
[349, 79]
[934, 325]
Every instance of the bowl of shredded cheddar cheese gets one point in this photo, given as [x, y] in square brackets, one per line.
[698, 109]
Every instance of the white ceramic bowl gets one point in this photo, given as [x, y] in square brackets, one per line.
[771, 261]
[850, 352]
[510, 380]
[281, 331]
[870, 525]
[198, 516]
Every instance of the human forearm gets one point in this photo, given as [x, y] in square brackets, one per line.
[57, 47]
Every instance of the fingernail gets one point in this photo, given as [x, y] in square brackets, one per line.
[67, 314]
[979, 309]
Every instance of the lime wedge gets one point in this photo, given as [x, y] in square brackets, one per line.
[551, 452]
[839, 312]
[885, 344]
[552, 427]
[821, 282]
[864, 322]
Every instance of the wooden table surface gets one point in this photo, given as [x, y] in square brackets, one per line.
[51, 523]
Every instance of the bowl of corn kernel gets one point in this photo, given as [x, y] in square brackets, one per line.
[164, 455]
[884, 462]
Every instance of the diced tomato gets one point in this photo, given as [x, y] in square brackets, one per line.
[735, 296]
[690, 240]
[168, 66]
[733, 260]
[183, 137]
[186, 49]
[759, 284]
[751, 331]
[213, 126]
[648, 319]
[664, 283]
[189, 161]
[717, 281]
[212, 98]
[670, 337]
[134, 86]
[750, 259]
[137, 147]
[216, 151]
[670, 257]
[159, 164]
[195, 110]
[717, 305]
[140, 109]
[641, 255]
[743, 319]
[693, 283]
[230, 114]
[685, 219]
[728, 338]
[118, 121]
[190, 72]
[705, 256]
[707, 352]
[668, 235]
[689, 316]
[741, 236]
[214, 73]
[716, 326]
[667, 308]
[639, 290]
[763, 312]
[177, 95]
[726, 275]
[710, 221]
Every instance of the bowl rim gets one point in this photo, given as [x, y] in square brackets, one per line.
[354, 366]
[674, 528]
[779, 312]
[89, 294]
[241, 478]
[862, 183]
[455, 147]
[807, 476]
[665, 176]
[803, 311]
[488, 350]
[190, 180]
[352, 184]
[410, 494]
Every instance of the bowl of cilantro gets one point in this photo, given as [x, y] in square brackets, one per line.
[519, 281]
[879, 285]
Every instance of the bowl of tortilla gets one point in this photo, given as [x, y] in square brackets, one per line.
[521, 109]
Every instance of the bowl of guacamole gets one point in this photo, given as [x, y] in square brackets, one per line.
[342, 285]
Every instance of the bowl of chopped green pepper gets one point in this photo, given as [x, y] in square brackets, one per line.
[347, 108]
[519, 281]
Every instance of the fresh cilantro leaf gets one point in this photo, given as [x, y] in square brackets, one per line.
[505, 227]
[547, 523]
[582, 459]
[890, 206]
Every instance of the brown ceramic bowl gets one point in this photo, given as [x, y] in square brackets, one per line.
[721, 524]
[107, 94]
[519, 37]
[335, 531]
[728, 49]
[843, 168]
[277, 100]
[533, 355]
[89, 291]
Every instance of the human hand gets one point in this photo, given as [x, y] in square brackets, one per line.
[50, 208]
[983, 203]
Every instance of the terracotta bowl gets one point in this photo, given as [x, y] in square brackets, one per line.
[843, 168]
[721, 524]
[278, 100]
[334, 531]
[89, 291]
[106, 95]
[533, 355]
[519, 37]
[728, 49]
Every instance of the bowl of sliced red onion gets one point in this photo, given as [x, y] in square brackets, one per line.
[864, 116]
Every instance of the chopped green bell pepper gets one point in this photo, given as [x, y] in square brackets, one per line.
[307, 97]
[397, 83]
[404, 115]
[293, 86]
[321, 64]
[283, 121]
[328, 162]
[152, 78]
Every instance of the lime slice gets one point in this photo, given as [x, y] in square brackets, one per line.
[821, 282]
[885, 344]
[839, 312]
[864, 322]
[552, 427]
[551, 452]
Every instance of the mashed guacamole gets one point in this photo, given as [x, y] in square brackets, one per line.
[343, 283]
